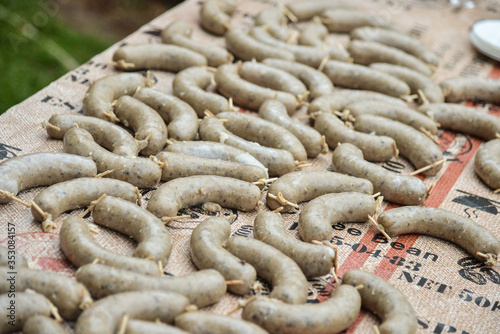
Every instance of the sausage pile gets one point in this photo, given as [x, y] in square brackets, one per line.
[195, 148]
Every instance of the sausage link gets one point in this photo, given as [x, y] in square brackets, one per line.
[207, 252]
[264, 132]
[396, 188]
[171, 58]
[247, 94]
[179, 33]
[463, 119]
[110, 136]
[319, 215]
[464, 232]
[303, 186]
[98, 100]
[176, 194]
[80, 248]
[313, 260]
[145, 121]
[76, 194]
[362, 77]
[69, 296]
[41, 169]
[317, 82]
[153, 240]
[182, 120]
[202, 288]
[288, 282]
[383, 299]
[414, 145]
[374, 147]
[182, 165]
[398, 40]
[487, 163]
[140, 172]
[332, 316]
[189, 85]
[106, 314]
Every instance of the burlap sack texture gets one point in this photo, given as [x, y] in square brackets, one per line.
[450, 291]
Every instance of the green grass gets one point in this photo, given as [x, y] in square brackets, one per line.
[35, 52]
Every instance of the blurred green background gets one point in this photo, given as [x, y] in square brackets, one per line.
[40, 40]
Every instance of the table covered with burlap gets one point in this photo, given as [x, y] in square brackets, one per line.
[450, 291]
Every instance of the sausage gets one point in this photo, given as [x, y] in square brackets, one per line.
[171, 58]
[471, 88]
[401, 114]
[174, 195]
[189, 85]
[246, 47]
[346, 20]
[303, 186]
[26, 305]
[338, 100]
[106, 314]
[266, 133]
[474, 238]
[75, 194]
[211, 150]
[311, 140]
[41, 169]
[153, 240]
[383, 299]
[98, 100]
[80, 248]
[414, 145]
[318, 216]
[275, 20]
[202, 288]
[287, 280]
[396, 188]
[210, 323]
[182, 120]
[9, 256]
[267, 76]
[314, 34]
[398, 40]
[110, 136]
[278, 162]
[487, 163]
[374, 147]
[140, 172]
[316, 82]
[313, 260]
[331, 316]
[182, 165]
[207, 252]
[149, 327]
[215, 15]
[309, 55]
[247, 94]
[179, 33]
[415, 80]
[463, 119]
[39, 324]
[69, 296]
[362, 77]
[145, 121]
[307, 9]
[365, 52]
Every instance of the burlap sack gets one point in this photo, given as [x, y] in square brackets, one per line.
[450, 291]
